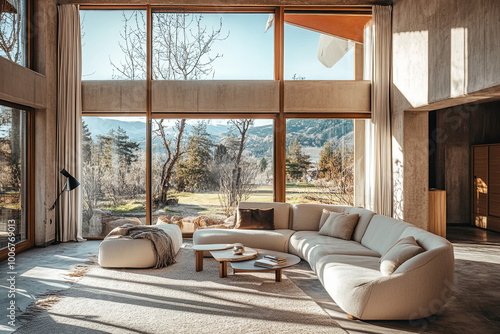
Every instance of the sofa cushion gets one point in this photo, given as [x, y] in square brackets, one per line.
[433, 245]
[299, 244]
[281, 211]
[276, 240]
[306, 216]
[382, 233]
[348, 279]
[365, 216]
[403, 250]
[339, 225]
[255, 219]
[342, 247]
[324, 216]
[311, 246]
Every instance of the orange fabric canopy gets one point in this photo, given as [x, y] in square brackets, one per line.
[345, 26]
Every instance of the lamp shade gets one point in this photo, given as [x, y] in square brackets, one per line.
[72, 182]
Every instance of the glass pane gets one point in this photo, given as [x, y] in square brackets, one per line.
[312, 52]
[113, 44]
[320, 161]
[113, 173]
[13, 31]
[205, 167]
[12, 176]
[222, 46]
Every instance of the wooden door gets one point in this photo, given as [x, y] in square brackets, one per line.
[494, 181]
[480, 185]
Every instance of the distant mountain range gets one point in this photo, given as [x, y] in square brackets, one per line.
[311, 133]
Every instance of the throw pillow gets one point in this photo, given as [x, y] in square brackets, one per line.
[403, 250]
[255, 219]
[340, 225]
[324, 217]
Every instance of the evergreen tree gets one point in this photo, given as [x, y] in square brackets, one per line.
[193, 172]
[105, 149]
[298, 162]
[87, 143]
[125, 150]
[220, 153]
[327, 161]
[263, 164]
[292, 170]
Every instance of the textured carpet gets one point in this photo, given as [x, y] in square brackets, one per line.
[177, 299]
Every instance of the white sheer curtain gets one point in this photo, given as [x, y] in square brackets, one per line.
[69, 121]
[378, 156]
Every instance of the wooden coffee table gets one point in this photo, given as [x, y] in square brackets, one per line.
[225, 256]
[248, 266]
[199, 249]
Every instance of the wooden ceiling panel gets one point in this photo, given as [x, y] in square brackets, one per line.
[345, 26]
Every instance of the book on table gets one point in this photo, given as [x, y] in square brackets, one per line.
[275, 258]
[266, 263]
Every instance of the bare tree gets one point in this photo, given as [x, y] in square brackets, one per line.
[182, 50]
[10, 33]
[133, 40]
[236, 176]
[337, 170]
[182, 47]
[174, 152]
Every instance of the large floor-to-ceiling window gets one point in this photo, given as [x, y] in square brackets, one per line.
[320, 161]
[13, 176]
[113, 173]
[210, 107]
[16, 133]
[13, 31]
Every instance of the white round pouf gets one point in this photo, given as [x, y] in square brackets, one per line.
[117, 252]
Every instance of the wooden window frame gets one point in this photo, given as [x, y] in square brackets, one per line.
[29, 198]
[279, 129]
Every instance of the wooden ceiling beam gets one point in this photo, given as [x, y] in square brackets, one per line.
[225, 3]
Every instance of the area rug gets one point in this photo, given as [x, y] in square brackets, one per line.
[177, 299]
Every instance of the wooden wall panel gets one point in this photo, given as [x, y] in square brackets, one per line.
[437, 212]
[494, 181]
[480, 179]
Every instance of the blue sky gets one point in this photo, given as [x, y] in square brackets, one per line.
[247, 51]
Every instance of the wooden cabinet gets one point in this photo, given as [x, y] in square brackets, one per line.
[486, 186]
[437, 212]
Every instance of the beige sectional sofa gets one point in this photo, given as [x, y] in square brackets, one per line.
[350, 269]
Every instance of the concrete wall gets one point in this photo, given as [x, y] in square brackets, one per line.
[15, 81]
[216, 96]
[45, 62]
[227, 96]
[327, 96]
[36, 88]
[441, 49]
[455, 130]
[114, 96]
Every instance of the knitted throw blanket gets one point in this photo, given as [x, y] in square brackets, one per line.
[162, 243]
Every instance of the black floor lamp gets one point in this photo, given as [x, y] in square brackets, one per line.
[71, 183]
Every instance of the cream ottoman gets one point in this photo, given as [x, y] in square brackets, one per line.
[134, 253]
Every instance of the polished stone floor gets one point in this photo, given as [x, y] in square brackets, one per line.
[474, 307]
